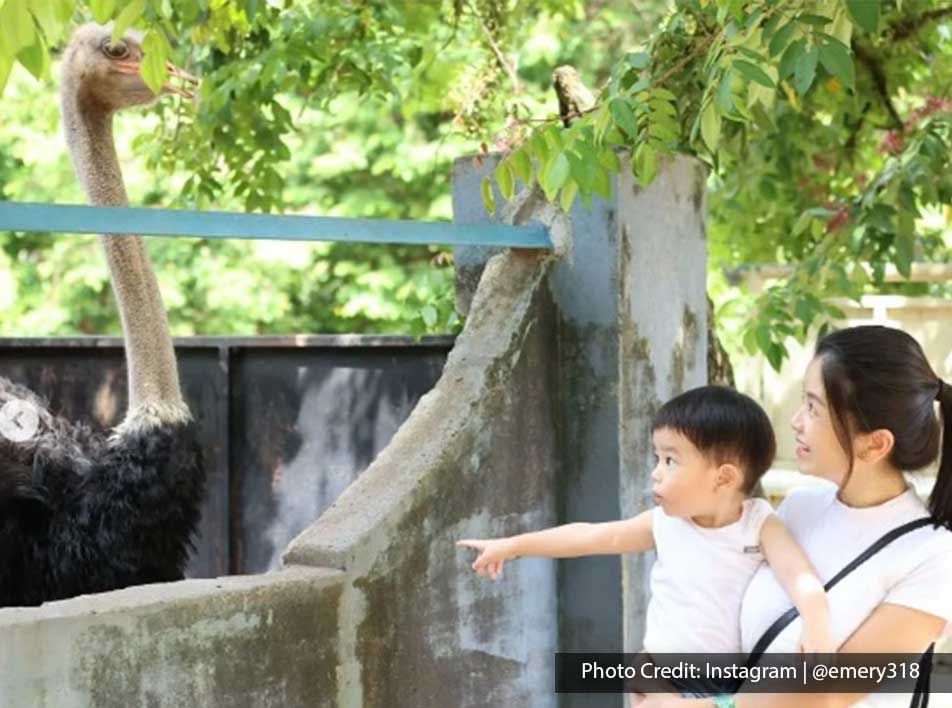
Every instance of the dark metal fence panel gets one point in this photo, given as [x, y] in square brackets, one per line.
[286, 423]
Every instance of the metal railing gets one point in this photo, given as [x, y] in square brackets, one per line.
[58, 218]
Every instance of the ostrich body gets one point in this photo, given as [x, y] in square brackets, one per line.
[83, 511]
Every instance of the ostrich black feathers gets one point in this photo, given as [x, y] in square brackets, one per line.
[82, 512]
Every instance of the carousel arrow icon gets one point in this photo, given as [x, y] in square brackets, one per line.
[19, 420]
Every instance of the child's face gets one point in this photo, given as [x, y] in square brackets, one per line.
[684, 480]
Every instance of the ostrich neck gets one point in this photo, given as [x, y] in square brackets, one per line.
[150, 359]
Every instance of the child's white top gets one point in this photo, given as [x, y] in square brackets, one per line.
[915, 570]
[698, 580]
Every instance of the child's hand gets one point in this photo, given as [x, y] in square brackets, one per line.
[817, 639]
[493, 553]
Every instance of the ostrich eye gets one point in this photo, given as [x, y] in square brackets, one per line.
[119, 50]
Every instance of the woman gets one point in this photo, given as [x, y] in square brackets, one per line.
[867, 415]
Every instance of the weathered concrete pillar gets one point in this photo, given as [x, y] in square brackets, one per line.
[629, 296]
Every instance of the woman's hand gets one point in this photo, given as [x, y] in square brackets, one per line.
[816, 638]
[493, 553]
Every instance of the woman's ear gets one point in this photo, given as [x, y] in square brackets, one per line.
[728, 475]
[875, 446]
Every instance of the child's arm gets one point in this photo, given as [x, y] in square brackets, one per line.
[568, 541]
[799, 579]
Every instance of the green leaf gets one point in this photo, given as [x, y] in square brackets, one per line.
[710, 127]
[665, 131]
[429, 315]
[5, 65]
[190, 11]
[486, 190]
[557, 173]
[802, 222]
[103, 10]
[130, 14]
[646, 164]
[725, 94]
[806, 70]
[521, 165]
[788, 62]
[623, 116]
[44, 11]
[805, 310]
[505, 180]
[16, 26]
[664, 94]
[553, 138]
[753, 72]
[865, 14]
[602, 184]
[779, 41]
[905, 242]
[609, 160]
[665, 108]
[567, 197]
[36, 59]
[836, 59]
[64, 9]
[775, 354]
[154, 70]
[816, 20]
[638, 60]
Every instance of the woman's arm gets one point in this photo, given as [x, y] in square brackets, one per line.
[892, 629]
[797, 576]
[632, 535]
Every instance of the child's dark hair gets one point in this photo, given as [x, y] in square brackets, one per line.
[725, 426]
[879, 378]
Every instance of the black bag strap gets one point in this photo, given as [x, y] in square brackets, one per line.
[920, 698]
[791, 614]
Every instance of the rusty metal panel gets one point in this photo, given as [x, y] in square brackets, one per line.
[304, 425]
[285, 422]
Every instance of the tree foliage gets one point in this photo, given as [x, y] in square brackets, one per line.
[825, 124]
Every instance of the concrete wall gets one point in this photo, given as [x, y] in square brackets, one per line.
[538, 418]
[267, 641]
[628, 291]
[478, 457]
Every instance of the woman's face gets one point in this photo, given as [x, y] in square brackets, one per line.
[819, 451]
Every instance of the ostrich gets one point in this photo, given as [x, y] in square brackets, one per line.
[83, 511]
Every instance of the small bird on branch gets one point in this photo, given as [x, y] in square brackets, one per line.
[574, 97]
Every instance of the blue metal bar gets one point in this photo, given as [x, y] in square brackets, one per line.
[58, 218]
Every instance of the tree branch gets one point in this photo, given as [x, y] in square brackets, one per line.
[871, 62]
[907, 26]
[506, 65]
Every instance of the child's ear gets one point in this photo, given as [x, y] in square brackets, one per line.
[728, 475]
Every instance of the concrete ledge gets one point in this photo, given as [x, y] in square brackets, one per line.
[265, 641]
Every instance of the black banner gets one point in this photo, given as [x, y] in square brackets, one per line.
[605, 672]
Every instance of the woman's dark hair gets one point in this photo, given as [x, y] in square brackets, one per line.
[725, 426]
[879, 378]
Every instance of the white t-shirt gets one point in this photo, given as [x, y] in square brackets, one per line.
[915, 570]
[698, 580]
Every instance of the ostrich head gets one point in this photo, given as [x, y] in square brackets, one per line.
[108, 73]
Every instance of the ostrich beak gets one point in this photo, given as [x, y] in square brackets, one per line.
[190, 82]
[134, 68]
